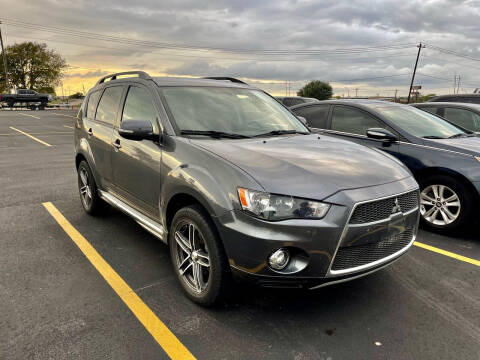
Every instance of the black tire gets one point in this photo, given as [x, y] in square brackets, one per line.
[92, 204]
[465, 197]
[219, 276]
[10, 104]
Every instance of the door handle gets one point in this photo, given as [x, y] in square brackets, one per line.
[90, 132]
[116, 144]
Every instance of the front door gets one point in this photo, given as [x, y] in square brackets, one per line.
[136, 164]
[352, 124]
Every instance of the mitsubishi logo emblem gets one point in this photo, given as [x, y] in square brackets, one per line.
[396, 208]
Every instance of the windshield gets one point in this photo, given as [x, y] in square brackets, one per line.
[242, 112]
[420, 123]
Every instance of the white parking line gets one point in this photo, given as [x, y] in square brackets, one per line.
[70, 127]
[64, 115]
[29, 115]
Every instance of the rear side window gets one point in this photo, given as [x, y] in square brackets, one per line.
[316, 115]
[108, 105]
[353, 121]
[92, 103]
[139, 106]
[472, 100]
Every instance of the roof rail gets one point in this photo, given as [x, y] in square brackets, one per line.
[141, 74]
[226, 79]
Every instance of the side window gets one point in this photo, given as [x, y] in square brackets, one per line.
[316, 115]
[288, 102]
[92, 103]
[464, 118]
[353, 121]
[431, 110]
[108, 105]
[139, 106]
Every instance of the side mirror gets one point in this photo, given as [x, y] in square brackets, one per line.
[136, 130]
[303, 120]
[381, 134]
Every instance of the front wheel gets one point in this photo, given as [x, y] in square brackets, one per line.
[198, 257]
[445, 203]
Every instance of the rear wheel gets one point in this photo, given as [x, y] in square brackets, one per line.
[91, 201]
[445, 203]
[198, 257]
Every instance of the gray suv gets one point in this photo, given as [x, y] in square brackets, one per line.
[237, 186]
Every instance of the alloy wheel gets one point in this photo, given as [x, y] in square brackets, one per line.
[439, 205]
[192, 258]
[85, 188]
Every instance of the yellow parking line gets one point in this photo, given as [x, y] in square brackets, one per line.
[160, 332]
[447, 253]
[29, 115]
[30, 136]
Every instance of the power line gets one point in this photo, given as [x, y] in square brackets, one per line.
[165, 45]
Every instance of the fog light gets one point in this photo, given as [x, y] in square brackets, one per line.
[279, 259]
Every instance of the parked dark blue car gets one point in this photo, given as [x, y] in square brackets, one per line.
[444, 158]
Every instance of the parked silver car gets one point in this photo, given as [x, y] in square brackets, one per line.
[237, 185]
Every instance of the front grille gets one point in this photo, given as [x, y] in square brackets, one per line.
[382, 209]
[353, 256]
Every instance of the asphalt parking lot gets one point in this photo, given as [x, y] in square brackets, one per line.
[56, 305]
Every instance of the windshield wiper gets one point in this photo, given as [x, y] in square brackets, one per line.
[214, 134]
[459, 135]
[432, 137]
[282, 132]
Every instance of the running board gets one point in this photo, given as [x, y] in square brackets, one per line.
[151, 226]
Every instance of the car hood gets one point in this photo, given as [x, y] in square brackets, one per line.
[309, 166]
[467, 145]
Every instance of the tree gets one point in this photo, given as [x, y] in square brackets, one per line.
[32, 66]
[77, 95]
[316, 89]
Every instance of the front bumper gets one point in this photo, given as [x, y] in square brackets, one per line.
[318, 243]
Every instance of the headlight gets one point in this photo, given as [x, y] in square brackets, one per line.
[477, 158]
[280, 207]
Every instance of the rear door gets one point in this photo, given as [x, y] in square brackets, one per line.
[100, 129]
[136, 164]
[352, 123]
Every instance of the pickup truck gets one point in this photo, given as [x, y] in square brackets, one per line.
[26, 96]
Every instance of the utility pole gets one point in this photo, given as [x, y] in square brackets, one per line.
[356, 92]
[83, 89]
[454, 82]
[4, 62]
[420, 46]
[396, 95]
[458, 84]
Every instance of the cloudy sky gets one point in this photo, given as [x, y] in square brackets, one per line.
[369, 46]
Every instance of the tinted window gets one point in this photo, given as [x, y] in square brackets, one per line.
[139, 106]
[316, 115]
[108, 105]
[353, 121]
[431, 110]
[288, 102]
[418, 122]
[464, 118]
[22, 92]
[234, 110]
[472, 100]
[92, 103]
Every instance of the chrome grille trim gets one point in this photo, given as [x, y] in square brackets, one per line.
[344, 233]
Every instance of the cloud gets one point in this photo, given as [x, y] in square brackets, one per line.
[269, 25]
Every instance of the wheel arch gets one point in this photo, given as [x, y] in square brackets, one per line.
[433, 171]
